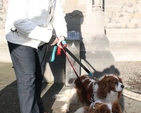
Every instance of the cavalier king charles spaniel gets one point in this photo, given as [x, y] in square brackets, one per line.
[106, 89]
[100, 107]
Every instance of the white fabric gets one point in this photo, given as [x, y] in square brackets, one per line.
[34, 22]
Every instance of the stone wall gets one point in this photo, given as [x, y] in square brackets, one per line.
[123, 28]
[3, 10]
[4, 54]
[125, 14]
[118, 13]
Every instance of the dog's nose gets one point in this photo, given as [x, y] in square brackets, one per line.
[122, 86]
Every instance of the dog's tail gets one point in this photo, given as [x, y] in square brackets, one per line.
[81, 110]
[66, 95]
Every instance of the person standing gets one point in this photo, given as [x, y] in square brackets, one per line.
[29, 29]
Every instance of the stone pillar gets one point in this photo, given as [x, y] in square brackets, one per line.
[74, 21]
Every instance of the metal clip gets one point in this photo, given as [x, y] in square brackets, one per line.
[13, 29]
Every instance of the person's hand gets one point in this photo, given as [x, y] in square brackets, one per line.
[54, 42]
[58, 41]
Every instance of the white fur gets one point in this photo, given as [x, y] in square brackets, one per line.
[95, 88]
[68, 96]
[80, 110]
[65, 95]
[119, 88]
[109, 106]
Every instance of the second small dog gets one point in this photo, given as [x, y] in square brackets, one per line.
[100, 107]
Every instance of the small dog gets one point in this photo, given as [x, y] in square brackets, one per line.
[106, 89]
[100, 107]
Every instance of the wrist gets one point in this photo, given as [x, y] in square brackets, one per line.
[52, 39]
[62, 37]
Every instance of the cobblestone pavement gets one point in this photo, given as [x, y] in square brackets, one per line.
[131, 75]
[9, 99]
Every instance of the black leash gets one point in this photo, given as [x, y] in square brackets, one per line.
[66, 50]
[74, 57]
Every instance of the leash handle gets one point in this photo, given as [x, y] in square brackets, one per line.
[64, 43]
[52, 58]
[58, 49]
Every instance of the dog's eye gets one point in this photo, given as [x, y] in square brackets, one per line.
[116, 83]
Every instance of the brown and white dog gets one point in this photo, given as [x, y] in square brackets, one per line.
[100, 107]
[106, 89]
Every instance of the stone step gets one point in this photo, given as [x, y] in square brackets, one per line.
[125, 44]
[126, 51]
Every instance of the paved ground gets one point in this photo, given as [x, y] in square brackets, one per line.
[9, 99]
[131, 74]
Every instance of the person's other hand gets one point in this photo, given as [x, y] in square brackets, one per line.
[58, 41]
[54, 42]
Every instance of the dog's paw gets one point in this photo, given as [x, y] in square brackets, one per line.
[65, 108]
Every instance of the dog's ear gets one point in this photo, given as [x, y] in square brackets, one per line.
[97, 104]
[120, 78]
[102, 109]
[102, 93]
[103, 87]
[116, 108]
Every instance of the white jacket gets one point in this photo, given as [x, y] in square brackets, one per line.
[34, 21]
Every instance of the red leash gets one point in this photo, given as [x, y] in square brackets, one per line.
[88, 95]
